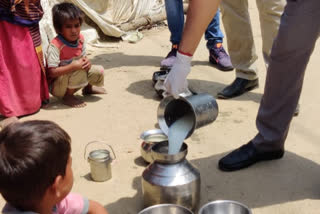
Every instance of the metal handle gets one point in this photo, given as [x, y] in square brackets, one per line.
[99, 142]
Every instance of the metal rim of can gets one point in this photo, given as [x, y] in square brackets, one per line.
[105, 155]
[201, 210]
[165, 205]
[98, 142]
[168, 158]
[147, 134]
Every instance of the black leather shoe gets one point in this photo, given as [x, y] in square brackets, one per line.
[238, 87]
[246, 156]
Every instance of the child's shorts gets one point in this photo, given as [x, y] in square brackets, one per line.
[77, 80]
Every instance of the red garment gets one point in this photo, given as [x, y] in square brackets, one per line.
[23, 84]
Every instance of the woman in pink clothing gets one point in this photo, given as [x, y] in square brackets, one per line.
[23, 86]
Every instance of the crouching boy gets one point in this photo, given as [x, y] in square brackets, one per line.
[69, 69]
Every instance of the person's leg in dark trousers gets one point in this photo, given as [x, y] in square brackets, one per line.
[298, 32]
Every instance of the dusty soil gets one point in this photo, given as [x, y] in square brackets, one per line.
[290, 185]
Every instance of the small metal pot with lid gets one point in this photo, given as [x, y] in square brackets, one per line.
[150, 138]
[100, 162]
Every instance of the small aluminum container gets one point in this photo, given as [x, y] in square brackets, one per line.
[100, 162]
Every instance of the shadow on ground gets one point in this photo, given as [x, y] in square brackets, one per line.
[139, 161]
[268, 183]
[118, 59]
[292, 178]
[145, 89]
[128, 205]
[56, 104]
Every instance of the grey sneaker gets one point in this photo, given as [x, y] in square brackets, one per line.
[219, 58]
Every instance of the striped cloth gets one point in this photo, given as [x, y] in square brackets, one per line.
[16, 12]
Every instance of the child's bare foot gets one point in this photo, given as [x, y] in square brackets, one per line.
[8, 121]
[72, 101]
[91, 89]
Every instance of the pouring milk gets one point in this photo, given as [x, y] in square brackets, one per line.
[178, 131]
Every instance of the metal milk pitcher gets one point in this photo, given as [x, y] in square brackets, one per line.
[170, 179]
[100, 162]
[203, 107]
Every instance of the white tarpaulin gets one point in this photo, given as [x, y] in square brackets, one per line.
[107, 14]
[110, 14]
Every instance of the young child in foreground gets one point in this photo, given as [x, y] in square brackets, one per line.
[35, 171]
[68, 67]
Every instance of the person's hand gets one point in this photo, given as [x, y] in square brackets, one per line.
[176, 81]
[77, 64]
[86, 63]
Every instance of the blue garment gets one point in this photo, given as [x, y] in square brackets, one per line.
[175, 18]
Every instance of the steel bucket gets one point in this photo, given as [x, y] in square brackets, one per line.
[166, 209]
[224, 207]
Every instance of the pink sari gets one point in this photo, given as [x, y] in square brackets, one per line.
[22, 82]
[23, 85]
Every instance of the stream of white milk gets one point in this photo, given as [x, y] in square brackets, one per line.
[178, 131]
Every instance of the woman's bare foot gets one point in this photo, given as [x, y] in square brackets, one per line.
[91, 89]
[72, 101]
[8, 121]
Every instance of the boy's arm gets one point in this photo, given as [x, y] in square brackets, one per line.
[61, 70]
[96, 208]
[87, 63]
[53, 61]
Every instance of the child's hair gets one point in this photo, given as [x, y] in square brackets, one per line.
[65, 11]
[32, 155]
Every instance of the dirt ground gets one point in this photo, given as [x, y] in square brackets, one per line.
[287, 186]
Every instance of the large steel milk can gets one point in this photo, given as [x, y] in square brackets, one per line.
[171, 178]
